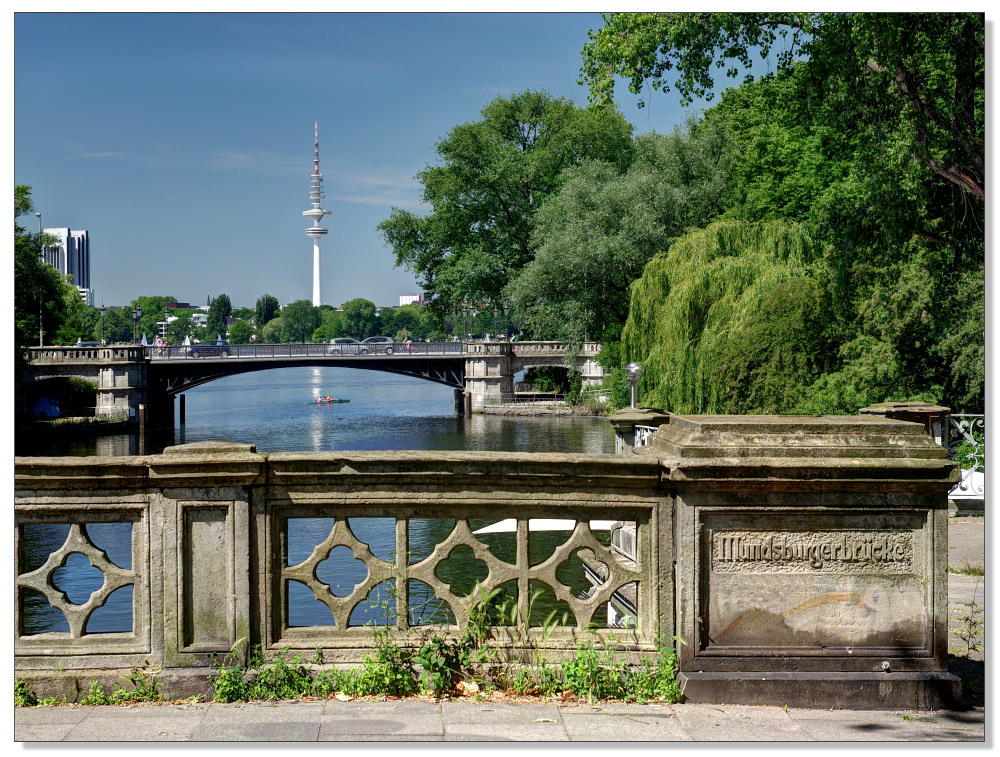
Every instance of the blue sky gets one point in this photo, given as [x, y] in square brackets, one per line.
[183, 142]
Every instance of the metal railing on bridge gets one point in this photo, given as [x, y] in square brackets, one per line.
[394, 349]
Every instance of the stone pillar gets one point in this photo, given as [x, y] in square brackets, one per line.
[488, 372]
[932, 417]
[812, 558]
[201, 496]
[121, 384]
[625, 421]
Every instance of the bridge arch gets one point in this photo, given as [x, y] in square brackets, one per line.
[168, 379]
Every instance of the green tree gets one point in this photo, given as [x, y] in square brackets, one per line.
[267, 308]
[404, 318]
[41, 294]
[595, 236]
[271, 333]
[358, 319]
[730, 320]
[118, 325]
[181, 327]
[926, 70]
[331, 325]
[73, 328]
[220, 309]
[153, 312]
[240, 332]
[299, 320]
[493, 175]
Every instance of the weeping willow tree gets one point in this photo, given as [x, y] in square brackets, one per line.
[732, 319]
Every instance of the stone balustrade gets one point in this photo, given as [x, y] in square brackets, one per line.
[801, 560]
[44, 356]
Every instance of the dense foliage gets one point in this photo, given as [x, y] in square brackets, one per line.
[493, 176]
[923, 71]
[594, 237]
[45, 304]
[889, 302]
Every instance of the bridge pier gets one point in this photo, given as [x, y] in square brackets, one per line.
[489, 374]
[121, 383]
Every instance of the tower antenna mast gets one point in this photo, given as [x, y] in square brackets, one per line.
[316, 214]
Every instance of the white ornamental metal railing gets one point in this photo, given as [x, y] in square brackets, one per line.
[965, 440]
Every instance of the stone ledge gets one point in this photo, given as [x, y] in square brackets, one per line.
[849, 691]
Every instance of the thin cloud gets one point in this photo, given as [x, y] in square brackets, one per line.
[100, 155]
[375, 186]
[407, 203]
[256, 161]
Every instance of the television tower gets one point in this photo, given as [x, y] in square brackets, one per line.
[316, 214]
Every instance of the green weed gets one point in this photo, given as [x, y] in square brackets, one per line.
[145, 688]
[970, 625]
[967, 569]
[22, 695]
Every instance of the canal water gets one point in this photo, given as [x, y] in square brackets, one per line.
[276, 411]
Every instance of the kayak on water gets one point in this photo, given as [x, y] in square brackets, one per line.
[326, 401]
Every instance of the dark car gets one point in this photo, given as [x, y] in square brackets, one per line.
[377, 344]
[211, 348]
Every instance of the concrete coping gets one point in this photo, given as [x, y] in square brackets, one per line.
[794, 424]
[210, 448]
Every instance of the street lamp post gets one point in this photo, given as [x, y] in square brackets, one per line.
[465, 320]
[506, 323]
[41, 329]
[634, 372]
[104, 312]
[496, 323]
[136, 315]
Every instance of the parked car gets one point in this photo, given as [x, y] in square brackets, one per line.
[377, 344]
[211, 348]
[87, 344]
[343, 345]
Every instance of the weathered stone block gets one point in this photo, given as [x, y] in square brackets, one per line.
[799, 563]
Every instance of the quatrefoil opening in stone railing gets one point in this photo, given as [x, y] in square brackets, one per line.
[569, 577]
[47, 578]
[306, 571]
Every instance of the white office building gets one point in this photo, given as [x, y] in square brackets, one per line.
[71, 257]
[416, 298]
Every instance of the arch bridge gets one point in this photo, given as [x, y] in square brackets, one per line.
[131, 375]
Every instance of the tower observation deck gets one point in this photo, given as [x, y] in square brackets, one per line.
[316, 214]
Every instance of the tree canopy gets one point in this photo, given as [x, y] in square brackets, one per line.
[220, 309]
[923, 71]
[299, 320]
[266, 309]
[358, 319]
[44, 301]
[594, 237]
[493, 176]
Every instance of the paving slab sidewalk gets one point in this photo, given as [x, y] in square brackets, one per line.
[468, 721]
